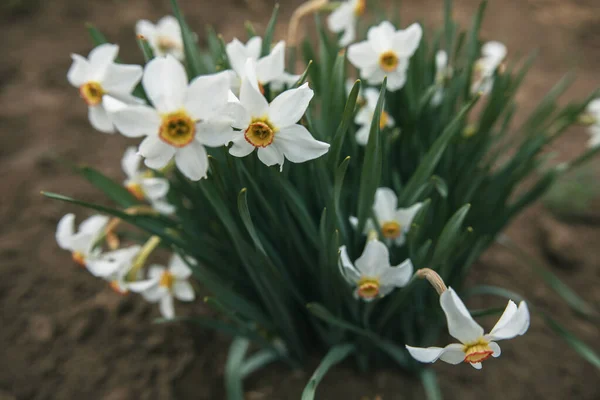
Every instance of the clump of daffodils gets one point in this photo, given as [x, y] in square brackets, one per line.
[301, 205]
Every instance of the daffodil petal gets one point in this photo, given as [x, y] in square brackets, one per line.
[271, 66]
[362, 55]
[250, 97]
[270, 155]
[183, 290]
[461, 325]
[290, 106]
[100, 119]
[399, 275]
[179, 268]
[374, 260]
[130, 163]
[495, 348]
[405, 42]
[165, 82]
[513, 322]
[167, 309]
[137, 121]
[205, 94]
[192, 161]
[385, 204]
[100, 59]
[122, 78]
[298, 145]
[65, 231]
[79, 72]
[348, 270]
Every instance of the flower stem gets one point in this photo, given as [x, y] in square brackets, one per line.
[142, 256]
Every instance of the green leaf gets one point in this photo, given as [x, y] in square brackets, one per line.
[372, 165]
[449, 237]
[429, 381]
[433, 156]
[335, 355]
[258, 361]
[573, 299]
[193, 58]
[247, 219]
[576, 344]
[493, 291]
[304, 75]
[233, 369]
[113, 190]
[98, 37]
[347, 119]
[268, 39]
[440, 185]
[145, 48]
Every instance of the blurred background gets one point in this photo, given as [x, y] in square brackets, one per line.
[65, 335]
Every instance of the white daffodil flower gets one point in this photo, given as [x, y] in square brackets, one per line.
[164, 284]
[492, 56]
[344, 19]
[81, 243]
[164, 38]
[270, 68]
[372, 273]
[143, 184]
[273, 128]
[593, 112]
[365, 115]
[386, 52]
[394, 222]
[113, 266]
[474, 346]
[442, 71]
[185, 118]
[98, 77]
[287, 80]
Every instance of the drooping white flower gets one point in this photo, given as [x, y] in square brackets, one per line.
[372, 273]
[394, 222]
[492, 56]
[386, 52]
[273, 128]
[474, 346]
[185, 118]
[270, 68]
[98, 77]
[365, 115]
[113, 266]
[442, 71]
[593, 112]
[164, 284]
[164, 38]
[344, 19]
[143, 184]
[81, 243]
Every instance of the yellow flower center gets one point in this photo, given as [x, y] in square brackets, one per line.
[114, 285]
[477, 352]
[260, 133]
[391, 229]
[368, 288]
[360, 7]
[177, 129]
[136, 190]
[79, 258]
[166, 280]
[165, 44]
[388, 61]
[91, 93]
[383, 119]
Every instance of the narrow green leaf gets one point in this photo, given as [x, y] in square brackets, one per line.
[145, 48]
[372, 165]
[268, 38]
[113, 190]
[449, 236]
[347, 119]
[258, 361]
[586, 352]
[336, 355]
[193, 57]
[303, 77]
[98, 37]
[493, 291]
[233, 369]
[247, 219]
[429, 381]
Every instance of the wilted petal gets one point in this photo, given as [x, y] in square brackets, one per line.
[460, 323]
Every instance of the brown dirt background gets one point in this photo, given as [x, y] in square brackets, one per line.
[64, 335]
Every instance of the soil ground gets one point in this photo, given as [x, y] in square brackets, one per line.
[64, 335]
